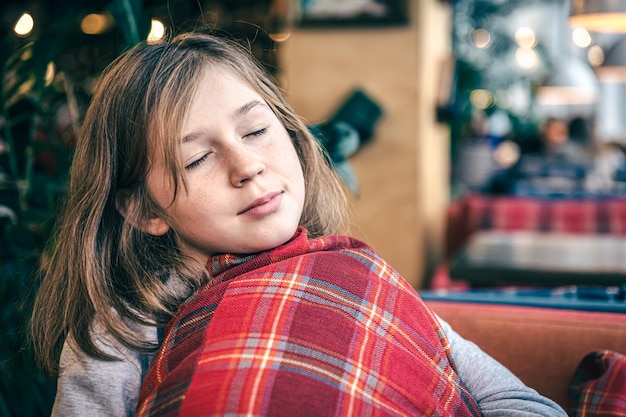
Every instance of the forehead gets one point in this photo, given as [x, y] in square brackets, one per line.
[221, 83]
[219, 94]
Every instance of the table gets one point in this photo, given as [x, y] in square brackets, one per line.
[541, 258]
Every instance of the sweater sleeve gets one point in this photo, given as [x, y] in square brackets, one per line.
[88, 386]
[497, 390]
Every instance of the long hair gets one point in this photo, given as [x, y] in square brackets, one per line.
[101, 266]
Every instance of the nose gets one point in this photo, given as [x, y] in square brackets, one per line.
[244, 165]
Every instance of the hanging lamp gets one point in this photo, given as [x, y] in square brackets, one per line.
[606, 16]
[572, 82]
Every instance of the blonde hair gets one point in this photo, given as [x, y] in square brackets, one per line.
[100, 265]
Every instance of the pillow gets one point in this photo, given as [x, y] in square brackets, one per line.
[598, 388]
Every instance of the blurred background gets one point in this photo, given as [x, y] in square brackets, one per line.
[442, 100]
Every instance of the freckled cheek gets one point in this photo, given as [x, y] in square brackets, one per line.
[196, 211]
[198, 194]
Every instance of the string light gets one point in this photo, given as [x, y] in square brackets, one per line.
[24, 25]
[526, 57]
[481, 99]
[157, 30]
[525, 37]
[481, 38]
[595, 55]
[581, 37]
[95, 23]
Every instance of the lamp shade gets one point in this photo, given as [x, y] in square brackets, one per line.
[571, 82]
[599, 15]
[571, 89]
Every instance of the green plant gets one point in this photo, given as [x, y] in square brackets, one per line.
[39, 118]
[35, 150]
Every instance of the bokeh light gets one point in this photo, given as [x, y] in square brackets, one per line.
[595, 55]
[50, 73]
[525, 37]
[526, 58]
[581, 37]
[24, 25]
[481, 38]
[481, 99]
[157, 30]
[95, 23]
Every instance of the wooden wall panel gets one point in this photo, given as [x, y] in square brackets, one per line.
[321, 67]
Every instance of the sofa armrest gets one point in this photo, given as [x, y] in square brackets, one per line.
[542, 346]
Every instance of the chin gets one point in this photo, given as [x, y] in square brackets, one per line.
[276, 238]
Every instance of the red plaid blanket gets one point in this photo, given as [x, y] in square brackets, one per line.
[316, 327]
[598, 388]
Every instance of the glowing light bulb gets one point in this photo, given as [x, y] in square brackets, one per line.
[24, 25]
[95, 23]
[525, 37]
[581, 37]
[157, 30]
[481, 99]
[526, 58]
[595, 55]
[481, 38]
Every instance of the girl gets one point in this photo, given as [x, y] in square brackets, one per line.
[199, 199]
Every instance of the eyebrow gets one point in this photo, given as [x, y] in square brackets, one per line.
[241, 111]
[246, 108]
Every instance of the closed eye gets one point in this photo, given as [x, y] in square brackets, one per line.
[257, 133]
[197, 162]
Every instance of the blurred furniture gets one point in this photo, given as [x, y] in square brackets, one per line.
[578, 216]
[598, 220]
[542, 346]
[498, 257]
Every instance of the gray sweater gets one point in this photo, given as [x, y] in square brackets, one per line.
[91, 387]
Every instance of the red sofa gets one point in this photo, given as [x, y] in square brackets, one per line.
[542, 346]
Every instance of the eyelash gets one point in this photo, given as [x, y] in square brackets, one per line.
[196, 163]
[258, 132]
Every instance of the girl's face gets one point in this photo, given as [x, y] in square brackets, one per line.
[245, 188]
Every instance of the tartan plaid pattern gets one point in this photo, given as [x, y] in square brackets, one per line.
[476, 212]
[554, 215]
[598, 388]
[316, 327]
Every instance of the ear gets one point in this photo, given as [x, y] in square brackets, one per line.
[155, 226]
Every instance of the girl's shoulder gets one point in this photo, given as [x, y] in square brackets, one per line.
[95, 387]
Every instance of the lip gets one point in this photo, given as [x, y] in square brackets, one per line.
[263, 206]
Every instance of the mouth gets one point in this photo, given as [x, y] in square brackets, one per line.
[264, 205]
